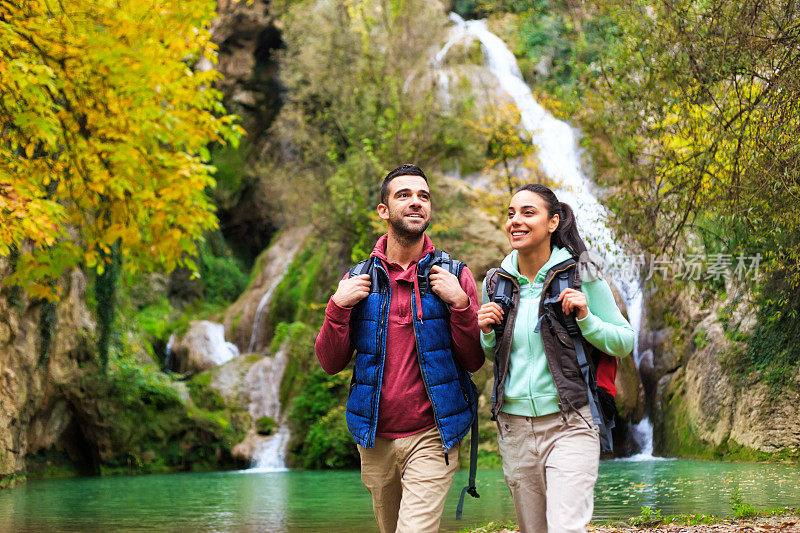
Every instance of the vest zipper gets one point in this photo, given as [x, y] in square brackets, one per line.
[422, 373]
[381, 344]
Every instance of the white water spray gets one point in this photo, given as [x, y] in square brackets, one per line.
[271, 456]
[264, 382]
[559, 157]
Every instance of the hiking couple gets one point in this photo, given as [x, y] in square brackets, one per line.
[411, 314]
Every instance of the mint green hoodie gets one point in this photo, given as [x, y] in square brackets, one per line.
[530, 390]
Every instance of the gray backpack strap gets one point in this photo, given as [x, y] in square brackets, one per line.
[443, 260]
[366, 267]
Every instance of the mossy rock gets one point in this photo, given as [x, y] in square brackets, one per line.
[203, 395]
[298, 339]
[265, 425]
[141, 421]
[225, 386]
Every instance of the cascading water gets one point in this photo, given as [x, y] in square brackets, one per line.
[268, 453]
[168, 353]
[263, 382]
[262, 305]
[559, 158]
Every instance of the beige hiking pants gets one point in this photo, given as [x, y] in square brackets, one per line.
[408, 480]
[550, 465]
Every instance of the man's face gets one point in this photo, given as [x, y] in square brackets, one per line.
[408, 208]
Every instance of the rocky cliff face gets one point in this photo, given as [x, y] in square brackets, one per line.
[704, 406]
[248, 37]
[42, 354]
[246, 321]
[60, 414]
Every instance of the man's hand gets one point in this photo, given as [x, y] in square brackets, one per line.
[352, 290]
[448, 288]
[490, 313]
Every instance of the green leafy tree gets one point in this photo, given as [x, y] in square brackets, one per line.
[362, 99]
[697, 105]
[700, 102]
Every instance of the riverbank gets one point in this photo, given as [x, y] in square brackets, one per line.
[773, 520]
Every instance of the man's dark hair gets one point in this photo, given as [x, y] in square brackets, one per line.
[403, 170]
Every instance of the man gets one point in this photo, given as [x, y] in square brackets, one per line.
[407, 439]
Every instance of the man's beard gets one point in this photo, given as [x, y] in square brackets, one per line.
[404, 234]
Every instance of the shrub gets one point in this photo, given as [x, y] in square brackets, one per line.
[329, 444]
[265, 425]
[318, 415]
[648, 517]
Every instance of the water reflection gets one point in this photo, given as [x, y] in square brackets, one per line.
[336, 501]
[692, 486]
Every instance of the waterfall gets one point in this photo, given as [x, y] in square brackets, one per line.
[559, 158]
[168, 353]
[262, 305]
[263, 380]
[264, 383]
[271, 457]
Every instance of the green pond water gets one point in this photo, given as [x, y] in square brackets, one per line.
[336, 501]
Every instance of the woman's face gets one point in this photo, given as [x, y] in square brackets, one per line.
[528, 225]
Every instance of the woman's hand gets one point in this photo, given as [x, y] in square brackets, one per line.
[489, 313]
[572, 300]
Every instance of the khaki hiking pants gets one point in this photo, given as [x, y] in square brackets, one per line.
[408, 480]
[550, 464]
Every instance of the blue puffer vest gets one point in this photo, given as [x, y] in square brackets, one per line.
[449, 386]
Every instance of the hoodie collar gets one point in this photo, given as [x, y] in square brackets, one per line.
[511, 262]
[427, 248]
[380, 248]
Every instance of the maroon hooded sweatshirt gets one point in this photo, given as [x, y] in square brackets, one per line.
[404, 407]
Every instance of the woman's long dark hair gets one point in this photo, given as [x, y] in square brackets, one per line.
[566, 234]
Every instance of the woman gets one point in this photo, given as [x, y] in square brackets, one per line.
[549, 445]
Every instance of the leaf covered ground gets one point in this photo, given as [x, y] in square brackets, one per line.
[789, 523]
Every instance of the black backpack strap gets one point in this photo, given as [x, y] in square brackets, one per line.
[360, 268]
[559, 283]
[367, 267]
[442, 259]
[502, 295]
[503, 289]
[470, 488]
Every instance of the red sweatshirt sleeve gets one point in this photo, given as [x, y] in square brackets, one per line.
[334, 345]
[464, 326]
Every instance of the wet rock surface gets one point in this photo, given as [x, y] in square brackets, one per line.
[246, 321]
[203, 347]
[703, 407]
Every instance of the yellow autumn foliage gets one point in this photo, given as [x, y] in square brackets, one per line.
[105, 121]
